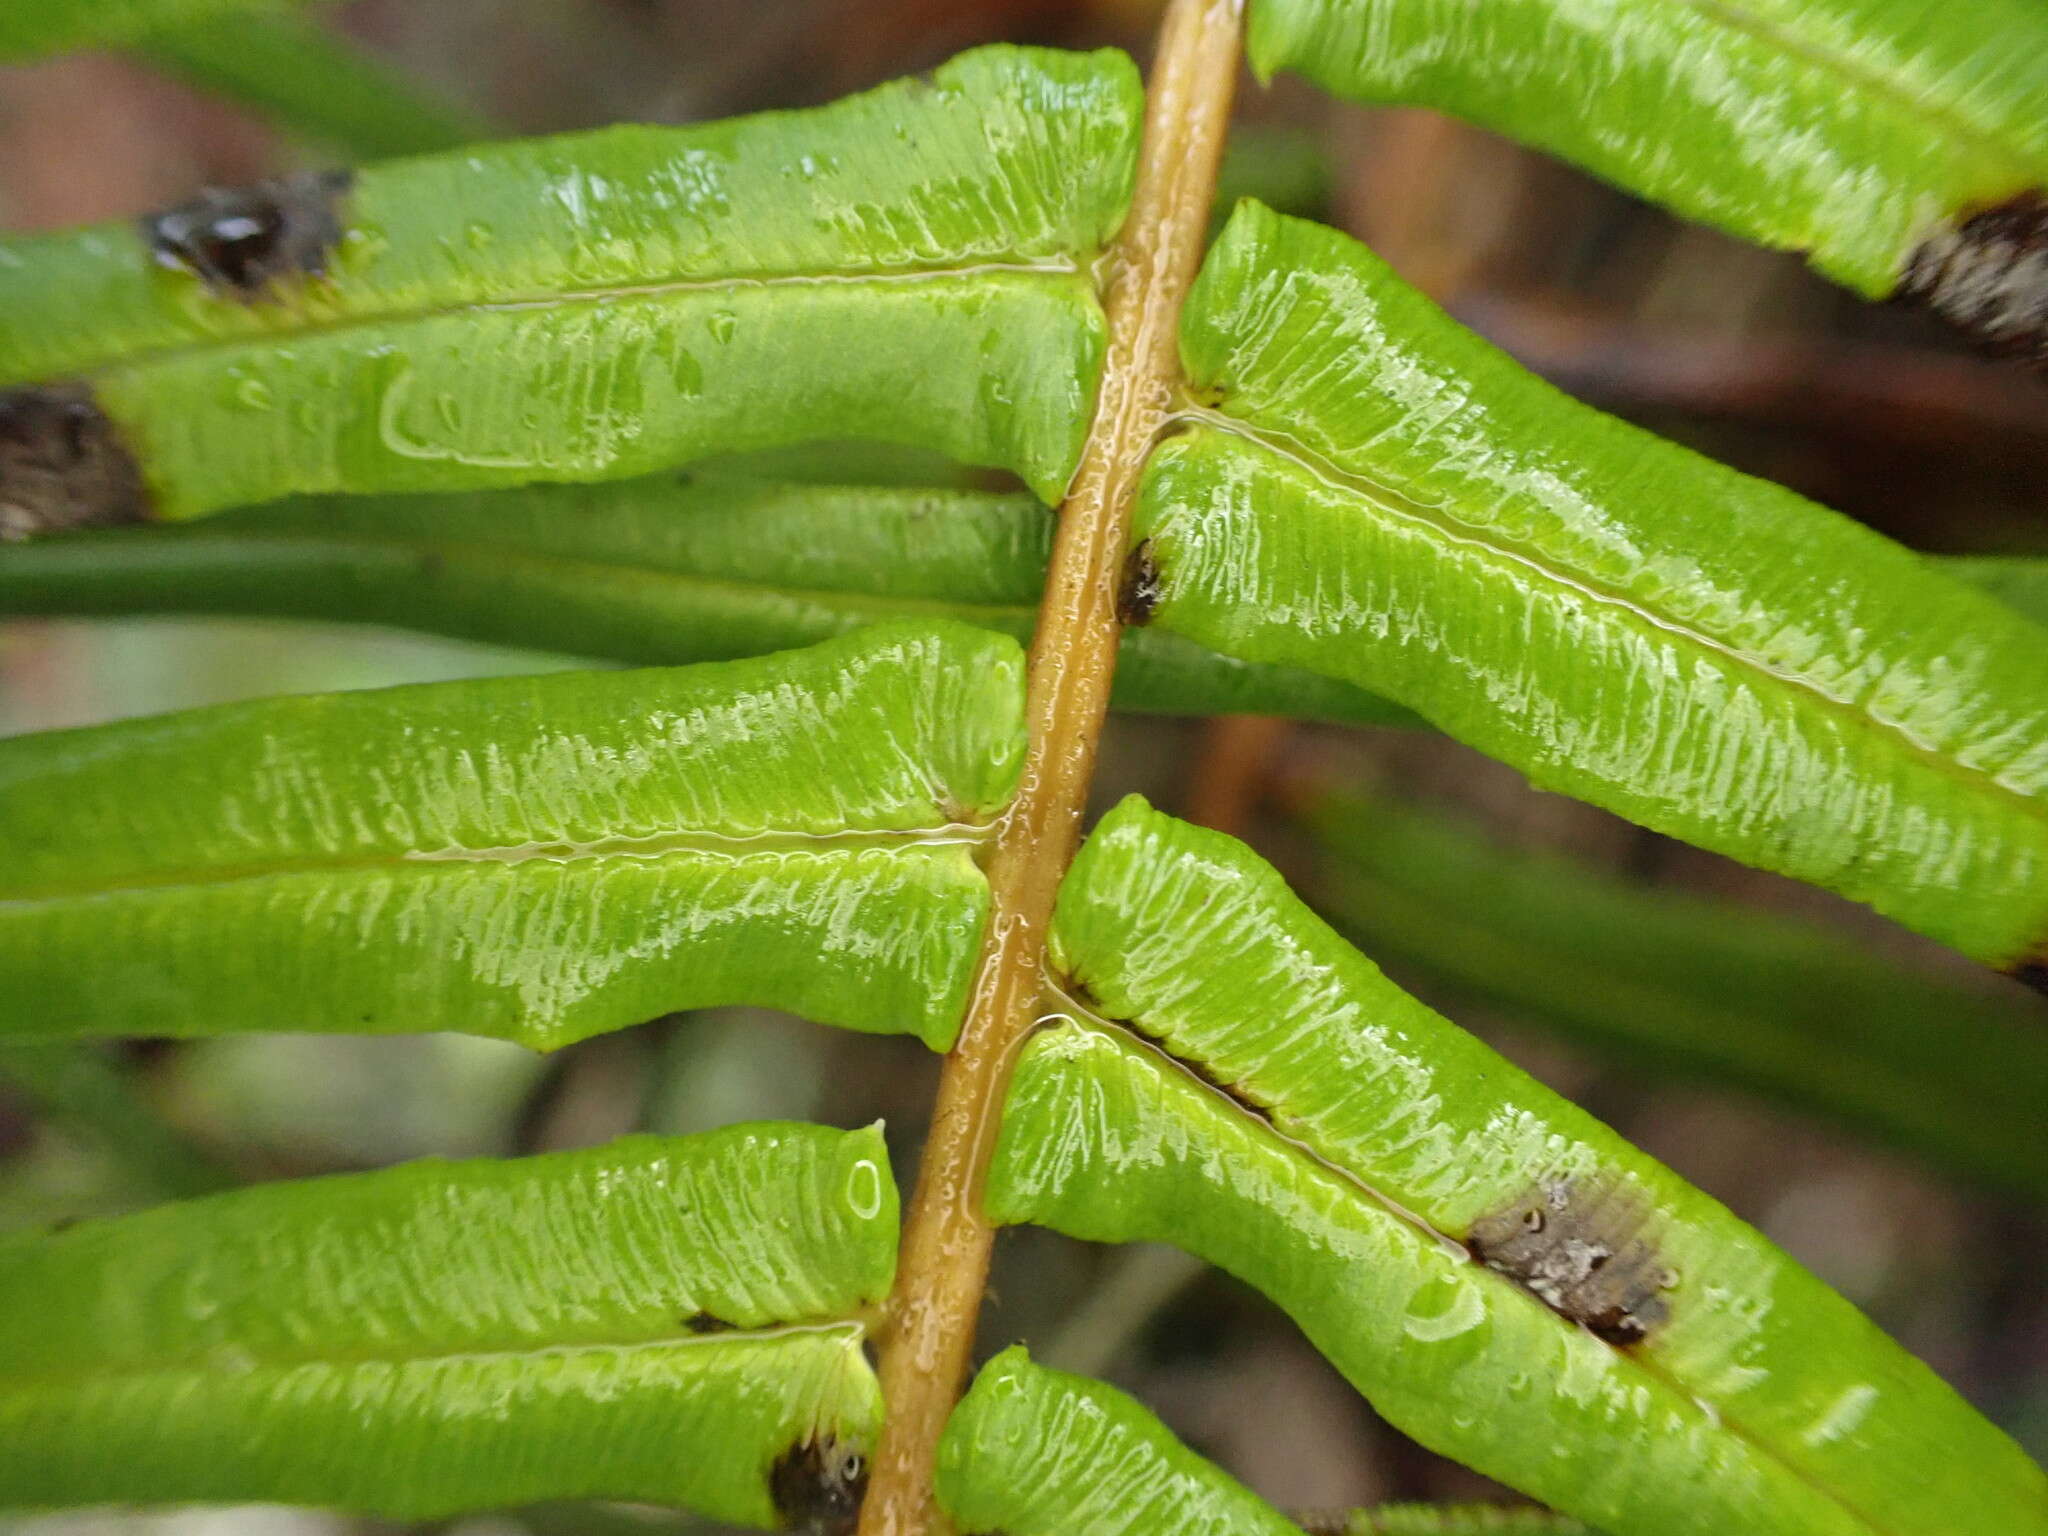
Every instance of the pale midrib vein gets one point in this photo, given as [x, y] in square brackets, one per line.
[569, 298]
[1392, 503]
[209, 1368]
[1159, 1048]
[704, 846]
[1902, 96]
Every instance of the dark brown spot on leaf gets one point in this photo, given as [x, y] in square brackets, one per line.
[1988, 276]
[2032, 972]
[1580, 1248]
[1138, 594]
[817, 1487]
[704, 1322]
[241, 241]
[62, 465]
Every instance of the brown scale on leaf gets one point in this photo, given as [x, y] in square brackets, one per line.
[817, 1487]
[244, 241]
[62, 465]
[1988, 276]
[1580, 1249]
[1138, 594]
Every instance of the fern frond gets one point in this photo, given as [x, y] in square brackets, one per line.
[1037, 1452]
[676, 1321]
[909, 265]
[537, 858]
[1867, 134]
[1374, 493]
[1506, 1279]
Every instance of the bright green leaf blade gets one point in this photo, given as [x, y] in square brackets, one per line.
[1380, 496]
[1850, 130]
[1627, 1352]
[908, 265]
[1704, 988]
[1037, 1452]
[441, 1336]
[537, 858]
[661, 570]
[32, 27]
[312, 83]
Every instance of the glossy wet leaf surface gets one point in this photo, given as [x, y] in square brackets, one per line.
[1374, 493]
[607, 304]
[538, 858]
[1850, 130]
[1037, 1452]
[1506, 1279]
[659, 1319]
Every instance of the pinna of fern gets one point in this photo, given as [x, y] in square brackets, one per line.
[1351, 505]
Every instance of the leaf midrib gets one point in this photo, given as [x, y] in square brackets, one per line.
[1320, 1163]
[680, 846]
[1392, 503]
[401, 315]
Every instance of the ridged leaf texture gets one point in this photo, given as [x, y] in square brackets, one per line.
[907, 265]
[667, 1320]
[1038, 1452]
[1708, 989]
[1506, 1279]
[670, 568]
[538, 858]
[1372, 492]
[1854, 131]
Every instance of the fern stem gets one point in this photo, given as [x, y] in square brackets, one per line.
[946, 1242]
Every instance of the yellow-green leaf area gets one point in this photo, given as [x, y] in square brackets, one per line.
[1848, 130]
[1374, 493]
[1685, 1364]
[657, 1319]
[538, 858]
[909, 265]
[1037, 1452]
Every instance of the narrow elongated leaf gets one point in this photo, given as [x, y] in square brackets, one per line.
[1507, 1280]
[1872, 135]
[440, 1336]
[671, 568]
[34, 27]
[1036, 1452]
[1379, 495]
[313, 83]
[907, 265]
[538, 858]
[1704, 988]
